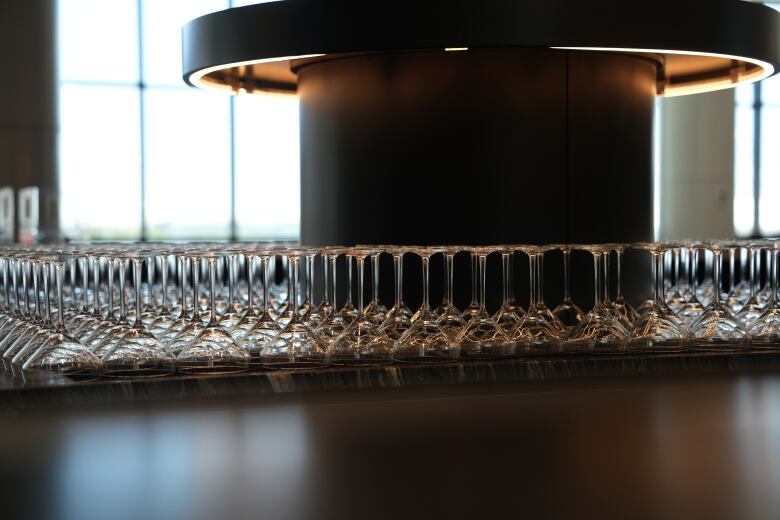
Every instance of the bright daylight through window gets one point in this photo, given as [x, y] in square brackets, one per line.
[153, 157]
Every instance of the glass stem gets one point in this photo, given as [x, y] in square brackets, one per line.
[449, 259]
[195, 268]
[540, 280]
[60, 298]
[597, 289]
[138, 293]
[375, 280]
[619, 274]
[657, 267]
[333, 277]
[84, 282]
[164, 275]
[46, 293]
[505, 269]
[605, 279]
[293, 296]
[474, 271]
[266, 280]
[96, 287]
[15, 285]
[360, 266]
[752, 271]
[716, 277]
[732, 273]
[231, 259]
[183, 286]
[482, 279]
[349, 280]
[326, 279]
[774, 277]
[399, 279]
[122, 312]
[310, 278]
[212, 293]
[149, 282]
[566, 274]
[426, 272]
[6, 285]
[35, 274]
[532, 280]
[250, 283]
[25, 288]
[110, 273]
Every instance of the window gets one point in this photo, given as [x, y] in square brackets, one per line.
[757, 158]
[143, 156]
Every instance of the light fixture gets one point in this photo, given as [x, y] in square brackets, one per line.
[697, 47]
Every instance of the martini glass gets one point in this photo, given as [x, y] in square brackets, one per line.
[14, 357]
[305, 308]
[483, 337]
[473, 308]
[509, 314]
[101, 331]
[536, 333]
[399, 318]
[447, 315]
[674, 297]
[326, 307]
[753, 306]
[24, 325]
[61, 353]
[733, 301]
[361, 342]
[14, 313]
[164, 320]
[37, 325]
[169, 334]
[296, 345]
[265, 330]
[232, 314]
[620, 305]
[348, 311]
[598, 332]
[717, 329]
[313, 315]
[115, 333]
[425, 340]
[334, 323]
[138, 352]
[658, 329]
[251, 314]
[567, 311]
[764, 331]
[619, 316]
[96, 317]
[82, 314]
[149, 312]
[214, 349]
[194, 325]
[691, 307]
[375, 311]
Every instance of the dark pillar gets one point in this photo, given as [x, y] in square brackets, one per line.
[28, 103]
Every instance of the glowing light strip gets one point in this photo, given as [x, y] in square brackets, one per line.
[196, 78]
[694, 88]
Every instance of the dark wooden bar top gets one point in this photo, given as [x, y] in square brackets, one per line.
[674, 436]
[16, 394]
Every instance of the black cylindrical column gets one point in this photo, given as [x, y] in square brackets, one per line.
[477, 147]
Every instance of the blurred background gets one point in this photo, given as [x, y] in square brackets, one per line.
[142, 156]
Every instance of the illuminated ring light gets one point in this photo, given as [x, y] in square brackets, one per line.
[699, 47]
